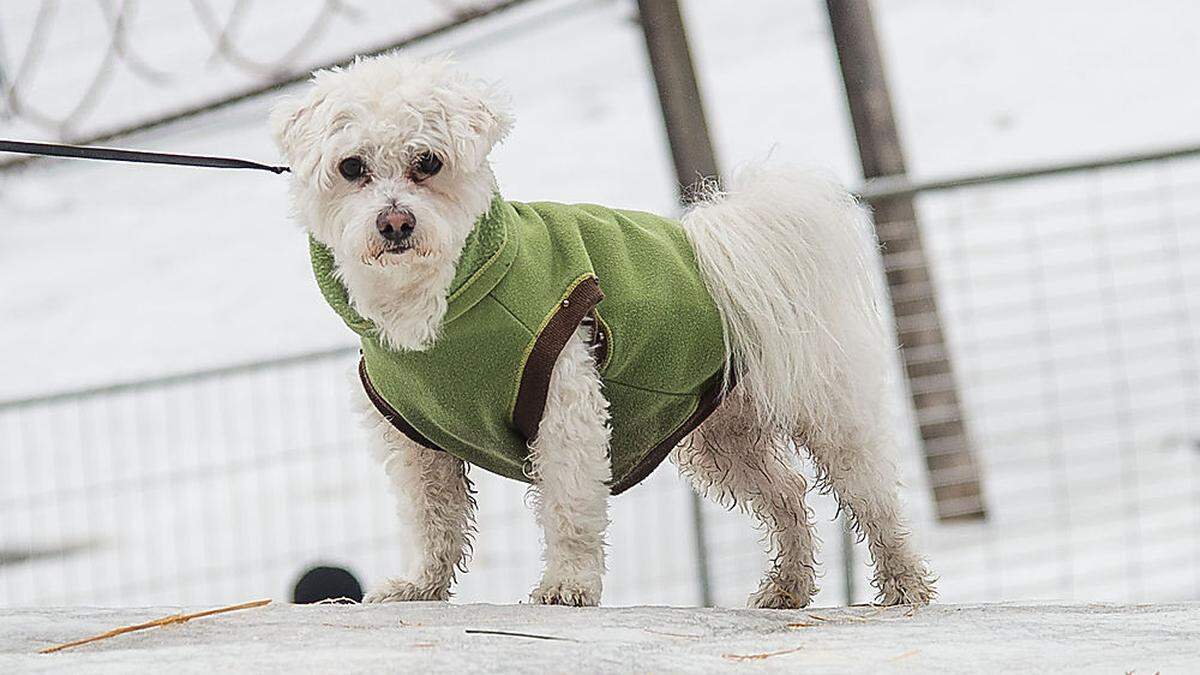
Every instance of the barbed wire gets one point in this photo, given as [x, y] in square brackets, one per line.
[28, 61]
[136, 64]
[299, 73]
[222, 34]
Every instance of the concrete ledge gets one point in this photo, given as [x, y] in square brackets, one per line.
[433, 636]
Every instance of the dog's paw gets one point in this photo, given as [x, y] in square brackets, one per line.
[776, 593]
[399, 590]
[911, 587]
[567, 592]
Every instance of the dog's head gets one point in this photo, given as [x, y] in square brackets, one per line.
[389, 159]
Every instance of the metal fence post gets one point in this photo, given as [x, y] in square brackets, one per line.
[703, 572]
[678, 93]
[691, 150]
[847, 557]
[954, 473]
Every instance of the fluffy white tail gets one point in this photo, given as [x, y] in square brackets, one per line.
[787, 256]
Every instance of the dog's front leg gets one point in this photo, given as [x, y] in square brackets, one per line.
[435, 498]
[570, 472]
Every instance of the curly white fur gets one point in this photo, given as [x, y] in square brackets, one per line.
[434, 494]
[571, 473]
[386, 111]
[733, 460]
[785, 255]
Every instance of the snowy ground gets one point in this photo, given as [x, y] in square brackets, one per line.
[1072, 307]
[433, 637]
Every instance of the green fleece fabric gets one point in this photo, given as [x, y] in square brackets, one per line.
[664, 334]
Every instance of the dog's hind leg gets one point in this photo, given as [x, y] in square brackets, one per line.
[570, 471]
[732, 460]
[789, 257]
[864, 482]
[436, 500]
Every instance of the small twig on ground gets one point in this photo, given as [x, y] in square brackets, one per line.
[869, 617]
[759, 657]
[857, 619]
[905, 655]
[164, 621]
[535, 636]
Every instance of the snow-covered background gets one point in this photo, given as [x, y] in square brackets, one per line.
[1071, 304]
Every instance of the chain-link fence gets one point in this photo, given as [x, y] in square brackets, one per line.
[1072, 308]
[231, 483]
[1071, 303]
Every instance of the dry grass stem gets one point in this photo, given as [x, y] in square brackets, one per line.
[157, 623]
[759, 657]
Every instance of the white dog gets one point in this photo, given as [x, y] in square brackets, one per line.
[391, 179]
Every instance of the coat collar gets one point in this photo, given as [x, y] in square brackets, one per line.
[486, 257]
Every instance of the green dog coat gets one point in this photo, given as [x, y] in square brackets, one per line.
[528, 276]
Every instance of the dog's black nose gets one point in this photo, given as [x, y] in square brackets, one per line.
[395, 225]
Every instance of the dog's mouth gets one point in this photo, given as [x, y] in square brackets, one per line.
[398, 248]
[394, 252]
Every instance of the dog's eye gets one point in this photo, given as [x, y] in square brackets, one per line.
[425, 165]
[352, 168]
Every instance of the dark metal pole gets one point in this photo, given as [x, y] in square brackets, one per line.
[848, 566]
[703, 571]
[678, 94]
[692, 152]
[953, 471]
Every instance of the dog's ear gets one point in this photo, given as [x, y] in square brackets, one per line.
[299, 134]
[483, 121]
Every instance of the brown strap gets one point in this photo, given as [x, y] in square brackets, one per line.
[535, 379]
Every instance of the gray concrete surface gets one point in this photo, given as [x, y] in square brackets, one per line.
[431, 636]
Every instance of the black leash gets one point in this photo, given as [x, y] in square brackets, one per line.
[138, 156]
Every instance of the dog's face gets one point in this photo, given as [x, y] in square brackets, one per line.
[389, 159]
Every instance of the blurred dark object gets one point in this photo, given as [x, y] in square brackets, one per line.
[326, 583]
[23, 554]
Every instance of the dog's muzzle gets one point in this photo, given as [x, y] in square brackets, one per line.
[396, 225]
